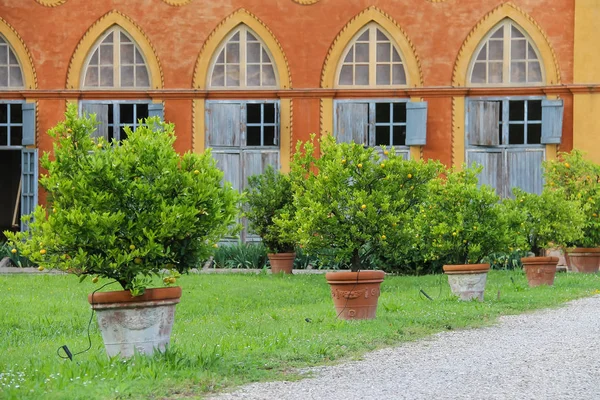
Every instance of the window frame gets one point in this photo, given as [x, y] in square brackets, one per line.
[116, 62]
[8, 125]
[507, 57]
[116, 112]
[372, 27]
[8, 66]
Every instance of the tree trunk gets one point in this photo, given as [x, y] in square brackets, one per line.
[356, 265]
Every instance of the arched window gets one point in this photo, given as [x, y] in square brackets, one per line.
[11, 75]
[116, 62]
[371, 59]
[243, 61]
[506, 56]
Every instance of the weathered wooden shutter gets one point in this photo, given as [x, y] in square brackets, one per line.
[352, 123]
[156, 110]
[524, 169]
[224, 126]
[29, 183]
[416, 123]
[255, 162]
[101, 111]
[28, 111]
[492, 173]
[229, 163]
[484, 119]
[552, 120]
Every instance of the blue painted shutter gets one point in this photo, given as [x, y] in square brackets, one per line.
[101, 112]
[28, 110]
[483, 117]
[552, 120]
[492, 174]
[416, 123]
[352, 123]
[29, 182]
[156, 110]
[524, 168]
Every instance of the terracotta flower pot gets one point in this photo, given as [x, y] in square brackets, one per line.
[355, 294]
[582, 259]
[467, 281]
[281, 262]
[135, 324]
[540, 270]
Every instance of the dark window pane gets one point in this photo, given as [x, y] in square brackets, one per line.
[534, 110]
[269, 136]
[3, 136]
[3, 113]
[122, 133]
[253, 136]
[516, 134]
[111, 115]
[142, 111]
[269, 110]
[16, 114]
[516, 111]
[382, 135]
[382, 112]
[534, 133]
[126, 114]
[16, 136]
[399, 136]
[253, 113]
[399, 112]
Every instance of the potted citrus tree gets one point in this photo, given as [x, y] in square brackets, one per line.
[127, 212]
[540, 222]
[580, 180]
[268, 196]
[347, 201]
[458, 225]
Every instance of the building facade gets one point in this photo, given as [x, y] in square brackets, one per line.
[503, 84]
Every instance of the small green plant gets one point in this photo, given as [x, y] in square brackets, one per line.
[544, 221]
[460, 222]
[240, 255]
[506, 260]
[579, 179]
[128, 210]
[13, 255]
[267, 197]
[350, 200]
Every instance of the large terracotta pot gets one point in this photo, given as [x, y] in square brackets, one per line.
[355, 294]
[582, 259]
[539, 270]
[467, 281]
[139, 324]
[281, 262]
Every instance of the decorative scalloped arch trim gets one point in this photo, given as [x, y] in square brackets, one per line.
[51, 3]
[177, 3]
[95, 31]
[215, 38]
[372, 14]
[491, 19]
[18, 45]
[306, 2]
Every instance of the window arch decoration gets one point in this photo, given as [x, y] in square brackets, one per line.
[95, 34]
[16, 55]
[411, 61]
[371, 59]
[506, 56]
[240, 17]
[177, 3]
[538, 38]
[115, 61]
[242, 62]
[51, 3]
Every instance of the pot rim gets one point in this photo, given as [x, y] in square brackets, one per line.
[466, 268]
[124, 296]
[539, 260]
[583, 250]
[362, 276]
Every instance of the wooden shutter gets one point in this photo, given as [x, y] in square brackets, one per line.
[524, 168]
[255, 162]
[416, 123]
[352, 123]
[229, 163]
[483, 117]
[224, 126]
[28, 111]
[101, 111]
[156, 110]
[29, 182]
[492, 173]
[552, 120]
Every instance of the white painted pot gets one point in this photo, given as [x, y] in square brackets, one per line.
[467, 281]
[139, 324]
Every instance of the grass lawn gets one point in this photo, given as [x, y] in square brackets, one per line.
[232, 329]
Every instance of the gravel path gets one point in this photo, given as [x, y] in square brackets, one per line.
[551, 354]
